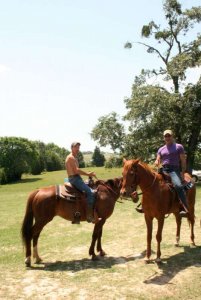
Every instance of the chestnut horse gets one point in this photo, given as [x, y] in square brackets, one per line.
[43, 205]
[158, 200]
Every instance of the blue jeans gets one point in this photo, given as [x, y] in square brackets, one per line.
[81, 186]
[174, 173]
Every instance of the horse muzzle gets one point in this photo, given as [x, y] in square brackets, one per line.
[134, 196]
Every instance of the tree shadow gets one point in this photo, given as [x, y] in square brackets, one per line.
[171, 266]
[105, 262]
[25, 180]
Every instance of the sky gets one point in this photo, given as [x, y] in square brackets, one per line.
[63, 64]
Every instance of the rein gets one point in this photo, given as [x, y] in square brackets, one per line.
[108, 187]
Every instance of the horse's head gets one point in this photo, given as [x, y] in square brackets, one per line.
[130, 179]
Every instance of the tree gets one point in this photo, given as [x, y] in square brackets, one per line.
[81, 161]
[154, 108]
[98, 158]
[54, 157]
[16, 157]
[109, 131]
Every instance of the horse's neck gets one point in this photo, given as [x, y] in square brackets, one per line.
[146, 177]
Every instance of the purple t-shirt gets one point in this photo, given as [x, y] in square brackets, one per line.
[170, 154]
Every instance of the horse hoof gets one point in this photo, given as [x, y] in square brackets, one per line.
[176, 244]
[158, 260]
[28, 263]
[102, 253]
[95, 257]
[147, 260]
[192, 245]
[38, 261]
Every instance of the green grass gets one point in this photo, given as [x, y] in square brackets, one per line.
[68, 272]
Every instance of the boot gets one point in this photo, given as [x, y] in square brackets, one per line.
[184, 212]
[90, 215]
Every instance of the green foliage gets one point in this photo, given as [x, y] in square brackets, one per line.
[114, 162]
[81, 160]
[153, 108]
[16, 157]
[3, 177]
[109, 131]
[98, 158]
[19, 155]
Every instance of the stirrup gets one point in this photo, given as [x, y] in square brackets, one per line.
[183, 214]
[76, 218]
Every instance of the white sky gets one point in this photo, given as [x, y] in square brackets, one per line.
[63, 64]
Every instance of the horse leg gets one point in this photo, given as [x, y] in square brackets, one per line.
[149, 224]
[36, 256]
[191, 221]
[159, 238]
[178, 221]
[37, 228]
[95, 235]
[99, 246]
[28, 253]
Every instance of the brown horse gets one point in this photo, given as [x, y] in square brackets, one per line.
[44, 204]
[158, 199]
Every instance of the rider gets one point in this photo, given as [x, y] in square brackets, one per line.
[74, 172]
[172, 156]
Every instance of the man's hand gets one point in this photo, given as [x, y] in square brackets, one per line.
[92, 174]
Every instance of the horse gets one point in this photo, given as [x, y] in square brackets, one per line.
[158, 200]
[44, 204]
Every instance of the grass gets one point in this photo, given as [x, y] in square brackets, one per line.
[68, 272]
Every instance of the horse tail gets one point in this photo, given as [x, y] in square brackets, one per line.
[26, 230]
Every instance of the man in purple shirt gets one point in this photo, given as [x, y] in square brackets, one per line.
[172, 156]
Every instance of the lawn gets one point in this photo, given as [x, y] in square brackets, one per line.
[67, 271]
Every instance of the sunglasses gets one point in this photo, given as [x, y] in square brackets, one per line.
[167, 135]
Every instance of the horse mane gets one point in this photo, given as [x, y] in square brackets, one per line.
[150, 169]
[109, 182]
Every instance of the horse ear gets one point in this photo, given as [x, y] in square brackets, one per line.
[135, 162]
[124, 161]
[110, 182]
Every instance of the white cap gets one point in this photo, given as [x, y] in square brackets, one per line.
[167, 131]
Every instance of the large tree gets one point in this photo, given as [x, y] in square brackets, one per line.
[109, 131]
[17, 155]
[98, 158]
[154, 108]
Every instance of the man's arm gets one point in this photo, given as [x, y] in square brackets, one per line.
[183, 163]
[71, 165]
[158, 160]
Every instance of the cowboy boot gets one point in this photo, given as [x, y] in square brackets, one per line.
[90, 214]
[185, 211]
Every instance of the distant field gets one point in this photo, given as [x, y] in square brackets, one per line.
[88, 157]
[67, 271]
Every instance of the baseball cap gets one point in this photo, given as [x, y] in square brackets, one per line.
[167, 131]
[75, 144]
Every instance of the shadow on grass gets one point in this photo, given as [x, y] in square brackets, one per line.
[25, 180]
[171, 266]
[105, 262]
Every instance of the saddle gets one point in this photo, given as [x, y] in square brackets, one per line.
[187, 183]
[71, 194]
